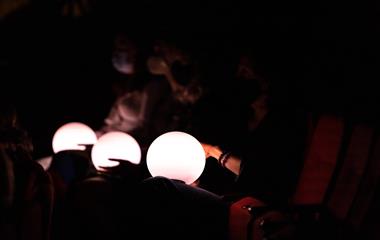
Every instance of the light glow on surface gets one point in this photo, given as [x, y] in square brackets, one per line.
[176, 155]
[45, 162]
[115, 145]
[73, 136]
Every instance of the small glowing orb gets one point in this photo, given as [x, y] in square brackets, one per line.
[176, 155]
[73, 136]
[115, 145]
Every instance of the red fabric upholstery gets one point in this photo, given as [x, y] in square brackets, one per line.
[320, 161]
[351, 172]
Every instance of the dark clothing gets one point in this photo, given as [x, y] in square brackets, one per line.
[272, 156]
[106, 207]
[28, 208]
[100, 207]
[173, 210]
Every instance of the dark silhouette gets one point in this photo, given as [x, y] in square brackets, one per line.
[263, 138]
[27, 191]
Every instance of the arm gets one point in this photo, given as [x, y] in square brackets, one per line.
[232, 162]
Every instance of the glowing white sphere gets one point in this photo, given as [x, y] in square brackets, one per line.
[176, 155]
[115, 145]
[73, 136]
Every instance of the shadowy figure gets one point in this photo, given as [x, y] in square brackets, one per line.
[27, 198]
[102, 206]
[67, 169]
[263, 139]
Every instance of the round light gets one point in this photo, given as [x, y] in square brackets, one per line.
[115, 145]
[176, 155]
[73, 136]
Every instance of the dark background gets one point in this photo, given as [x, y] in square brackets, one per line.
[55, 64]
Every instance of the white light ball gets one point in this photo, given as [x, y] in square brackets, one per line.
[73, 136]
[176, 155]
[115, 145]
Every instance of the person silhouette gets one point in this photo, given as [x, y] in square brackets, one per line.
[265, 142]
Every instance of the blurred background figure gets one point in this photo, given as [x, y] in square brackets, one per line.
[127, 113]
[178, 67]
[158, 89]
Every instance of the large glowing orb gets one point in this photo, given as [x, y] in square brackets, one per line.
[73, 136]
[115, 145]
[176, 155]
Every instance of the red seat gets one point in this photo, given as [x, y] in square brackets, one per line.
[367, 188]
[320, 161]
[351, 172]
[319, 166]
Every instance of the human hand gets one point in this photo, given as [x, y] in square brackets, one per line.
[211, 151]
[207, 149]
[124, 168]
